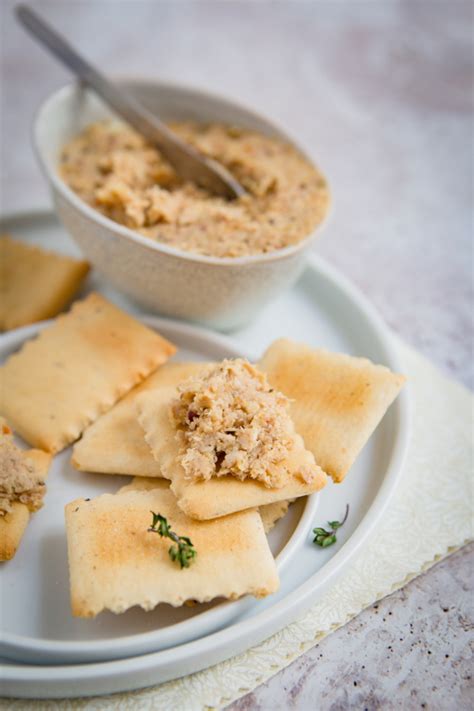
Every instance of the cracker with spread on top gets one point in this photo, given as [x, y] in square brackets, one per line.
[22, 476]
[219, 496]
[35, 284]
[76, 369]
[115, 443]
[337, 400]
[115, 562]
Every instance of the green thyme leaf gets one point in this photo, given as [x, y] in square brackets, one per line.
[160, 524]
[325, 538]
[320, 531]
[183, 551]
[319, 540]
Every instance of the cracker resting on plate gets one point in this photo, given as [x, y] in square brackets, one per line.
[13, 523]
[218, 496]
[337, 400]
[116, 563]
[76, 369]
[144, 483]
[35, 284]
[115, 443]
[271, 513]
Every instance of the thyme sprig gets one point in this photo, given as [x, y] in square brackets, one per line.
[182, 551]
[325, 538]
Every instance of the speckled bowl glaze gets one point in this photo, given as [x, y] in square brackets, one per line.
[223, 293]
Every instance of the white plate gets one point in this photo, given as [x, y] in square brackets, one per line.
[36, 622]
[323, 310]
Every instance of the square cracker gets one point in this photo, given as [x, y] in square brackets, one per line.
[116, 563]
[13, 524]
[12, 527]
[338, 400]
[144, 483]
[270, 513]
[218, 496]
[35, 284]
[77, 368]
[115, 443]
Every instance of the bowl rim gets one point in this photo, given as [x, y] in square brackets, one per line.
[106, 223]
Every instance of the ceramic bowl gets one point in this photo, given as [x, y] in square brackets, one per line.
[223, 293]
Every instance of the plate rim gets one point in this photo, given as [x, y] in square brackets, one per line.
[53, 681]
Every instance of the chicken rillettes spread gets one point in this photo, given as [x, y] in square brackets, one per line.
[19, 480]
[114, 170]
[230, 421]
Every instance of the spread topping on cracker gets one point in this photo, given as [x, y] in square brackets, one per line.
[20, 480]
[230, 421]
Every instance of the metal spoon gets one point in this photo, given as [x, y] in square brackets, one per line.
[187, 161]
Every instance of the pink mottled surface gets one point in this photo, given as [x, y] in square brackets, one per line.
[381, 94]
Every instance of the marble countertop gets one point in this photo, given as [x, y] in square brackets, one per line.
[381, 96]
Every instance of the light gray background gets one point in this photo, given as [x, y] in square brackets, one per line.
[380, 92]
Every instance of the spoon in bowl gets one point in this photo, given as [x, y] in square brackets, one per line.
[186, 160]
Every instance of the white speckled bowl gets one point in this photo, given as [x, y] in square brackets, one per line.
[223, 293]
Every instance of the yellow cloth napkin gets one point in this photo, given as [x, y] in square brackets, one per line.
[430, 516]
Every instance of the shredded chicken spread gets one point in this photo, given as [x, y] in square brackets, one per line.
[113, 169]
[19, 480]
[230, 421]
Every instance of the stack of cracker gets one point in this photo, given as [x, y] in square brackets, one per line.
[98, 374]
[61, 381]
[337, 401]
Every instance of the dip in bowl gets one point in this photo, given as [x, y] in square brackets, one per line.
[172, 247]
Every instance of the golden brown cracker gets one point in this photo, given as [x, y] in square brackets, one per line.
[143, 483]
[338, 400]
[41, 461]
[76, 369]
[12, 527]
[35, 284]
[116, 563]
[115, 443]
[13, 524]
[271, 513]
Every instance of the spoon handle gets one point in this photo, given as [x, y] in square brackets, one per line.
[188, 163]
